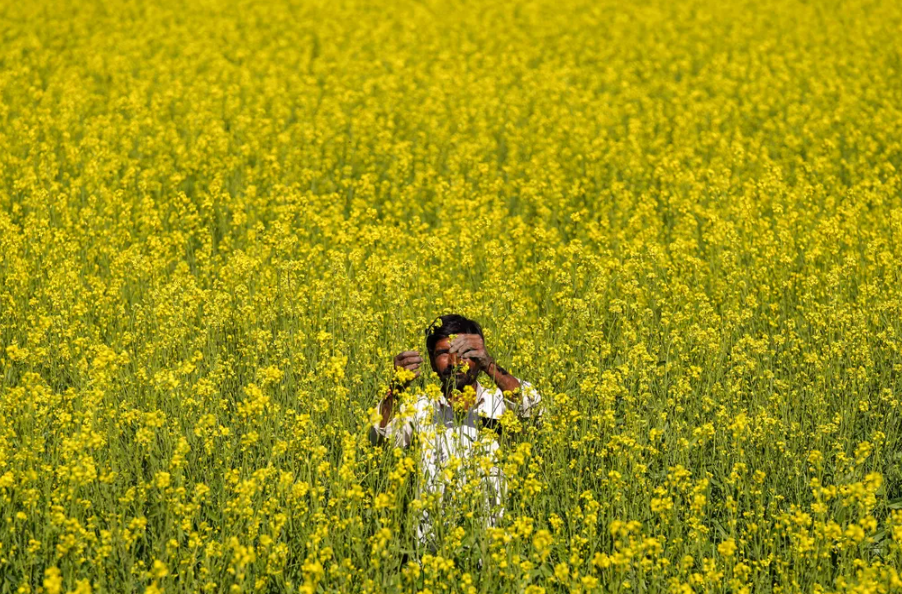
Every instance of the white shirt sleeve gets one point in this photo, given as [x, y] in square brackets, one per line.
[528, 405]
[530, 401]
[399, 430]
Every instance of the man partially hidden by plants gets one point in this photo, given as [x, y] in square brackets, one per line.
[454, 425]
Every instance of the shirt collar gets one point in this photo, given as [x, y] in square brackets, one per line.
[481, 396]
[488, 403]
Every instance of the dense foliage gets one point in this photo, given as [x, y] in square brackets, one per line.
[681, 221]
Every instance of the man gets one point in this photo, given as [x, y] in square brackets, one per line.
[450, 423]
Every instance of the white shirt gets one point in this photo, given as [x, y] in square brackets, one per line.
[447, 441]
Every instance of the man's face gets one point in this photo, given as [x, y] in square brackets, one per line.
[455, 372]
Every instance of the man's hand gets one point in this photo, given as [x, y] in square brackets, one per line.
[409, 360]
[472, 348]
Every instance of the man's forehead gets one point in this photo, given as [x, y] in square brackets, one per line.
[445, 341]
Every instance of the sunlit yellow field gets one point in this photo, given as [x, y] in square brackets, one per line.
[681, 221]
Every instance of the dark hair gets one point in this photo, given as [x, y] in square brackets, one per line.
[448, 324]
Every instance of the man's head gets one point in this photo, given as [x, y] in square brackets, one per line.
[438, 345]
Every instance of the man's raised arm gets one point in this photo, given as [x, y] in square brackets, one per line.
[472, 347]
[407, 367]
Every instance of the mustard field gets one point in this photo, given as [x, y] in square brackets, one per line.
[679, 221]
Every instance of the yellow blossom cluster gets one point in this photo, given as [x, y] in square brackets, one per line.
[680, 221]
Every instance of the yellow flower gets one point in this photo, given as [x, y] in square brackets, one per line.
[53, 581]
[159, 570]
[727, 548]
[162, 480]
[542, 541]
